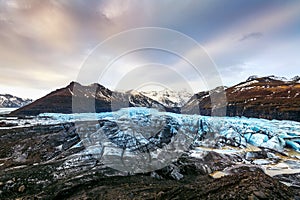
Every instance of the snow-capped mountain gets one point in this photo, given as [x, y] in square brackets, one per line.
[169, 98]
[261, 97]
[10, 101]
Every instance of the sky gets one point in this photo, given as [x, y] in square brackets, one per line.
[44, 45]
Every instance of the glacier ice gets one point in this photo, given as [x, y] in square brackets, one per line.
[142, 140]
[293, 145]
[258, 139]
[273, 134]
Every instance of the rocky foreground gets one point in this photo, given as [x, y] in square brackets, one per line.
[46, 162]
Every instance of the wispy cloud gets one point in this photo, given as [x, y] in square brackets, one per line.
[249, 36]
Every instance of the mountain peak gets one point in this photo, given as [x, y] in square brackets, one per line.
[77, 84]
[296, 79]
[133, 92]
[251, 78]
[73, 83]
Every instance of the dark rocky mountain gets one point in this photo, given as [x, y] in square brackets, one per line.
[76, 98]
[261, 97]
[10, 101]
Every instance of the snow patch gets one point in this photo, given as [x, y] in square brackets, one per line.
[246, 84]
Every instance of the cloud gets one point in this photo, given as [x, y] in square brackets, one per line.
[249, 36]
[45, 42]
[114, 9]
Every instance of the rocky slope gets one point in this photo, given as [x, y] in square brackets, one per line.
[261, 97]
[10, 101]
[79, 98]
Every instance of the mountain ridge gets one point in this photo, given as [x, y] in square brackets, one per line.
[267, 97]
[11, 101]
[79, 98]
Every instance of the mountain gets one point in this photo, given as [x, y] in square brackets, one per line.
[169, 98]
[92, 98]
[10, 101]
[267, 97]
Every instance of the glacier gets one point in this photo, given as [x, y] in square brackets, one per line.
[138, 140]
[272, 134]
